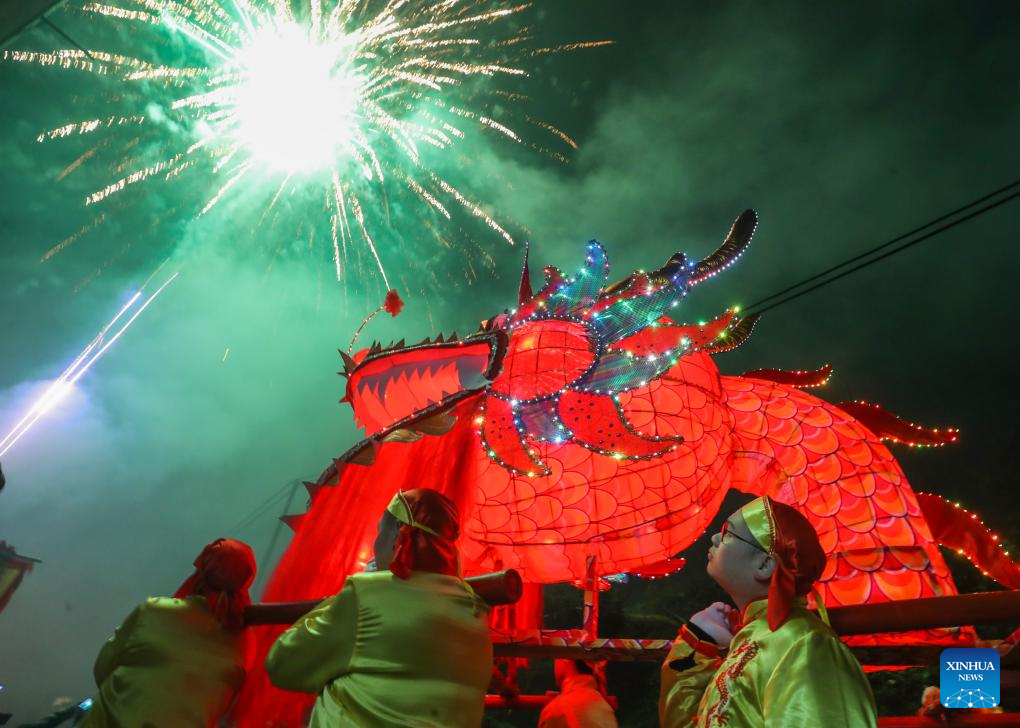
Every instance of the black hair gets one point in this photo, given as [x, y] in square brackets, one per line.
[584, 667]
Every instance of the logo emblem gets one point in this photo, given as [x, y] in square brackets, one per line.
[969, 678]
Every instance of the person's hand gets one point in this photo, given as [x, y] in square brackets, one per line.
[713, 620]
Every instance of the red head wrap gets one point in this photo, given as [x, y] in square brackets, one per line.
[223, 572]
[791, 540]
[428, 537]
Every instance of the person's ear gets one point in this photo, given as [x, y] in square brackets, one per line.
[766, 565]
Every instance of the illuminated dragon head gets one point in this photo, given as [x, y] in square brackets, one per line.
[551, 370]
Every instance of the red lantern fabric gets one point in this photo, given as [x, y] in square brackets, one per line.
[587, 425]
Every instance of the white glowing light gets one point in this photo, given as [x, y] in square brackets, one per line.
[296, 104]
[355, 101]
[64, 384]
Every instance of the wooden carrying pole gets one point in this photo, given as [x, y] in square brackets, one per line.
[908, 614]
[504, 587]
[501, 587]
[953, 611]
[901, 616]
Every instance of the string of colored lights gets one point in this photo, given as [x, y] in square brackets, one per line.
[758, 308]
[895, 429]
[580, 309]
[63, 385]
[972, 544]
[799, 378]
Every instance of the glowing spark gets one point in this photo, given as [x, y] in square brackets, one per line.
[73, 237]
[64, 384]
[344, 95]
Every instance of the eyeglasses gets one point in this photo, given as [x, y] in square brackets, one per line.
[727, 530]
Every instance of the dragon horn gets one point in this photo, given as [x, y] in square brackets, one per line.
[732, 247]
[661, 276]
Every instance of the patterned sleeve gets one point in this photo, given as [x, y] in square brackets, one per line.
[685, 675]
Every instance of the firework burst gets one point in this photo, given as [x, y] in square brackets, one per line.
[359, 99]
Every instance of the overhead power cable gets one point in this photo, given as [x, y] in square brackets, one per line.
[50, 24]
[266, 505]
[271, 548]
[870, 257]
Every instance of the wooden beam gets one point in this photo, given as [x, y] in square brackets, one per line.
[908, 614]
[619, 650]
[898, 616]
[501, 587]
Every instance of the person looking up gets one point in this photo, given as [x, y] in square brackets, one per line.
[770, 661]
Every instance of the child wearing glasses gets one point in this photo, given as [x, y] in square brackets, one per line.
[769, 661]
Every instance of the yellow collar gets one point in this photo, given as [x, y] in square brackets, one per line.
[755, 610]
[759, 608]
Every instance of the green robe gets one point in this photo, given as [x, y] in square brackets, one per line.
[384, 652]
[169, 665]
[799, 675]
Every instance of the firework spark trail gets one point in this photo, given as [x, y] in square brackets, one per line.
[333, 94]
[69, 240]
[63, 385]
[46, 399]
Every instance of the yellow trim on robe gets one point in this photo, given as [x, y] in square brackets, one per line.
[388, 652]
[170, 664]
[799, 675]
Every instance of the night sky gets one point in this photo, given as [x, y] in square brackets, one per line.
[843, 125]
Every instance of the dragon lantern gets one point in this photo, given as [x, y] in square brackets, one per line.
[586, 426]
